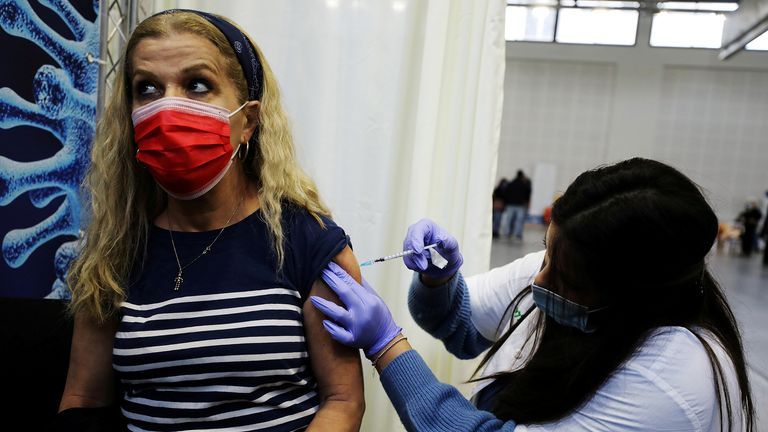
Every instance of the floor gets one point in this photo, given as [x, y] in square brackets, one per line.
[745, 281]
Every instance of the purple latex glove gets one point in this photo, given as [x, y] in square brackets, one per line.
[426, 232]
[365, 323]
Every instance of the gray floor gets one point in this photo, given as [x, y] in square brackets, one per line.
[745, 282]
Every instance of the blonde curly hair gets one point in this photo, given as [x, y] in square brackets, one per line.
[125, 199]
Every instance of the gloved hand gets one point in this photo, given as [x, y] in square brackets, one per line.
[426, 232]
[365, 323]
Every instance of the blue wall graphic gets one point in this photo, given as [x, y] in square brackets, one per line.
[47, 119]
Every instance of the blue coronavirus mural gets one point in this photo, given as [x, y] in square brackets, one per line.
[47, 120]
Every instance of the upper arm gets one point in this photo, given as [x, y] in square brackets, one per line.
[337, 367]
[490, 293]
[90, 378]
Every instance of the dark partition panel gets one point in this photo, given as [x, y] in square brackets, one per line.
[35, 337]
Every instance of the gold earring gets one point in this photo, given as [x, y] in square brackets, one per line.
[242, 155]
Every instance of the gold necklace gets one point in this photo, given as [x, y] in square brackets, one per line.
[177, 281]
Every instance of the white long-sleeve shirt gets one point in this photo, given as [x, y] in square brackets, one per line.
[667, 385]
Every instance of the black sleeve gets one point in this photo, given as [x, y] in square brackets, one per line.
[313, 246]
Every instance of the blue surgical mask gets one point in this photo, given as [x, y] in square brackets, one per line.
[565, 312]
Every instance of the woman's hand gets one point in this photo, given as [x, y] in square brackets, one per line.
[365, 323]
[426, 232]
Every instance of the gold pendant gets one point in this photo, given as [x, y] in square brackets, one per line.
[177, 281]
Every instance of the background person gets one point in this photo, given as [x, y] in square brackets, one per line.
[517, 197]
[749, 219]
[601, 332]
[206, 238]
[498, 205]
[764, 236]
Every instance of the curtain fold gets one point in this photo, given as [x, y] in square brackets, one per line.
[396, 110]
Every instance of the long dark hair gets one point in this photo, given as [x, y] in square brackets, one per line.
[636, 233]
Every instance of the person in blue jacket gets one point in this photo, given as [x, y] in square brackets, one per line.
[616, 326]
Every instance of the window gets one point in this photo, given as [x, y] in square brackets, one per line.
[694, 6]
[535, 23]
[702, 30]
[607, 22]
[760, 43]
[597, 26]
[703, 24]
[680, 24]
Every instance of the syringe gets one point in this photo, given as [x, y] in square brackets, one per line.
[391, 257]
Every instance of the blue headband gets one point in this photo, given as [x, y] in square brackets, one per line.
[244, 50]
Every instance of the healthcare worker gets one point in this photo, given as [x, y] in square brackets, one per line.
[616, 326]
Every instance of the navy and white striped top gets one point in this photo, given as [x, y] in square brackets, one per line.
[226, 352]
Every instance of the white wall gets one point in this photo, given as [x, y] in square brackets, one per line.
[579, 106]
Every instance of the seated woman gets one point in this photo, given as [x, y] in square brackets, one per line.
[206, 240]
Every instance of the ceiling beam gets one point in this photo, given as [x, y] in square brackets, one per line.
[743, 26]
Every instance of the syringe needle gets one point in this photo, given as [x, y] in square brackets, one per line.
[393, 256]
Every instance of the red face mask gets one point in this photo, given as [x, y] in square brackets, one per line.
[184, 144]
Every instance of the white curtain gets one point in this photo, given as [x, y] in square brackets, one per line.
[396, 110]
